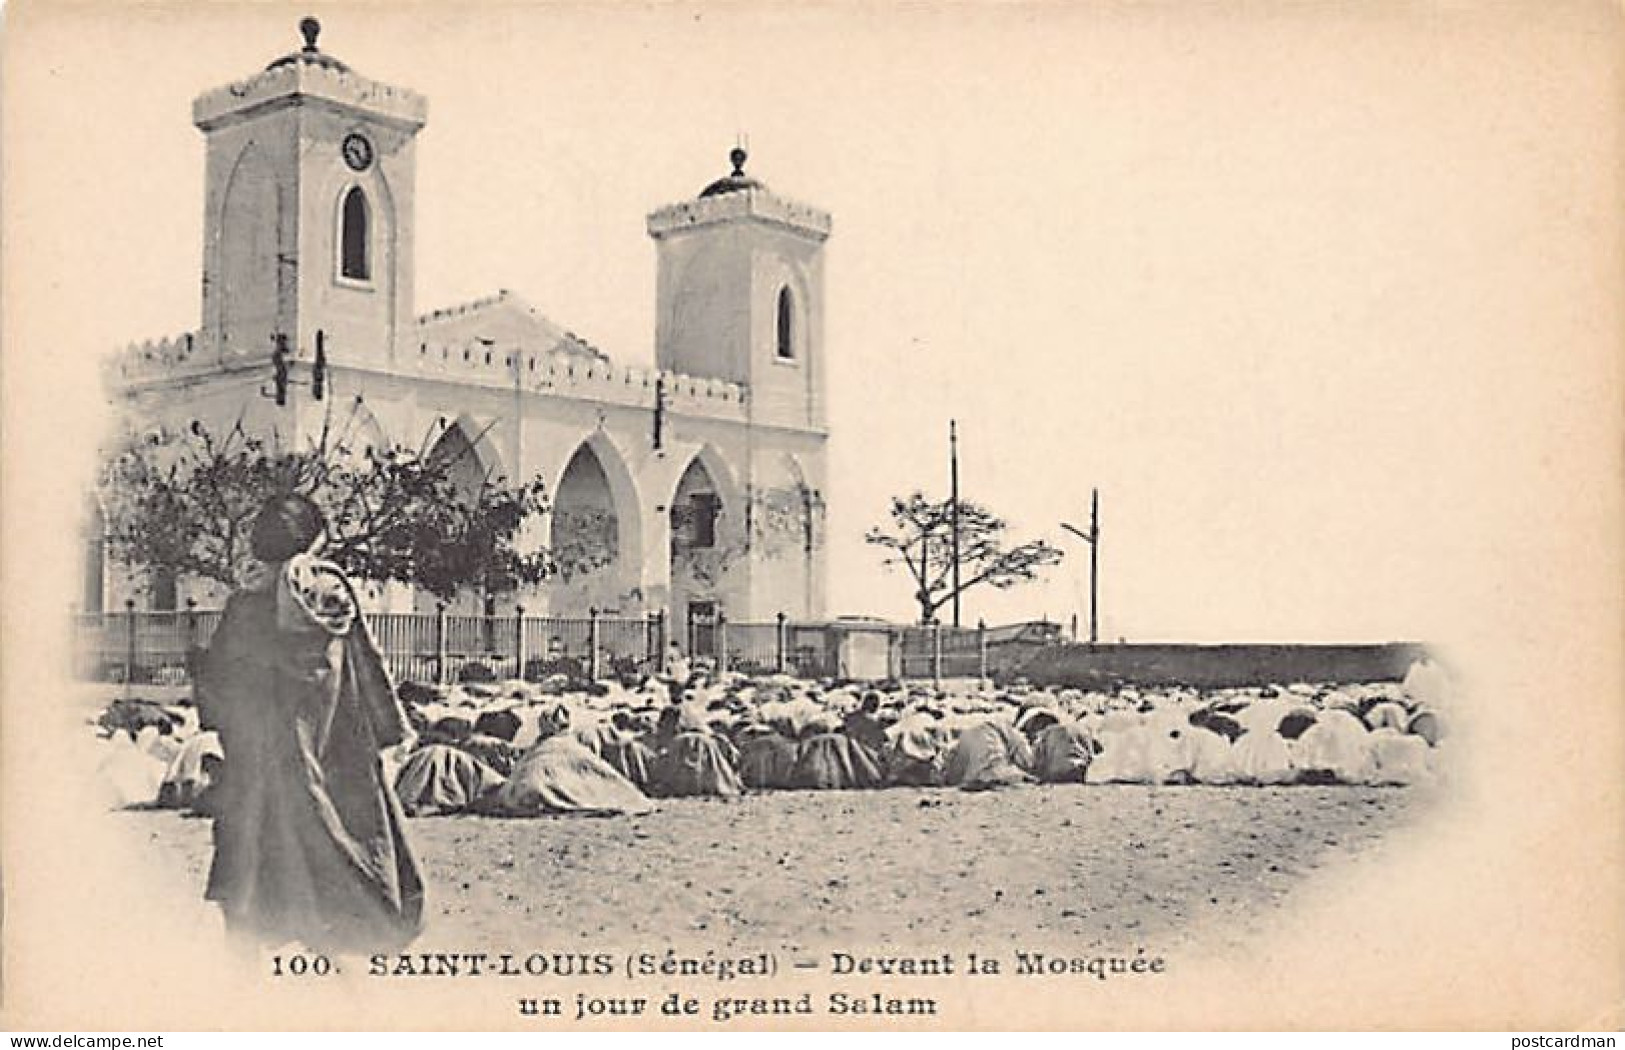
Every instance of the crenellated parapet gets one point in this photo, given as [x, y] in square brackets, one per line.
[755, 203]
[308, 79]
[565, 375]
[156, 359]
[181, 358]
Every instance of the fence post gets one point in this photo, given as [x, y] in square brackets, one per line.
[981, 649]
[519, 641]
[440, 643]
[592, 643]
[722, 642]
[189, 642]
[660, 640]
[129, 645]
[781, 642]
[936, 653]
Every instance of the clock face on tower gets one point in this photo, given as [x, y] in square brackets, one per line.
[357, 152]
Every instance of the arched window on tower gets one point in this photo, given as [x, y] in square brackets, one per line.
[354, 260]
[787, 324]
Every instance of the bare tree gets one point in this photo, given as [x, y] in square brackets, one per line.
[920, 539]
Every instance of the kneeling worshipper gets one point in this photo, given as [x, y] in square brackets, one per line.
[1263, 756]
[132, 769]
[828, 759]
[1209, 756]
[691, 760]
[1426, 724]
[863, 726]
[1335, 750]
[1170, 752]
[617, 743]
[1401, 759]
[309, 843]
[492, 741]
[913, 755]
[190, 780]
[1125, 743]
[1387, 714]
[560, 775]
[439, 779]
[988, 754]
[1064, 748]
[767, 756]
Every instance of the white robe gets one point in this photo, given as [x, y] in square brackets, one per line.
[1125, 755]
[1210, 757]
[1400, 758]
[129, 774]
[1264, 714]
[1337, 744]
[1428, 685]
[1263, 757]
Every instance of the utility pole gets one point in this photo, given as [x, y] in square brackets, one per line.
[1092, 537]
[953, 498]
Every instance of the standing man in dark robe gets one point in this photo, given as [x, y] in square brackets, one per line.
[309, 843]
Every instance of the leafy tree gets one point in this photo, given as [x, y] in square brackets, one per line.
[186, 504]
[920, 538]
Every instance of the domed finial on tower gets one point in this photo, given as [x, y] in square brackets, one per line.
[310, 54]
[736, 181]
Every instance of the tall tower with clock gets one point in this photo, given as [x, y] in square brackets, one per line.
[308, 210]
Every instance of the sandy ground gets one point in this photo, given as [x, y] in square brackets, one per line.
[1097, 867]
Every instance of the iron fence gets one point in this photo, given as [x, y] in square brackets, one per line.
[934, 651]
[161, 647]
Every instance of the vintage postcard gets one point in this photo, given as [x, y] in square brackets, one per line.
[863, 516]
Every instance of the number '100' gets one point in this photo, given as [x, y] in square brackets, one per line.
[301, 966]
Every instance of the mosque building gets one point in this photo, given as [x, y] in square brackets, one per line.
[701, 481]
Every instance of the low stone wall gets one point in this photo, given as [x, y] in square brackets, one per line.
[1217, 666]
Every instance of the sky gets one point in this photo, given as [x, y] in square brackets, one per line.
[1311, 292]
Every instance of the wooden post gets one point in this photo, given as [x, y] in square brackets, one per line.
[1094, 567]
[660, 640]
[440, 676]
[1092, 537]
[519, 640]
[129, 645]
[981, 649]
[722, 642]
[189, 638]
[781, 643]
[953, 496]
[651, 642]
[936, 653]
[592, 643]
